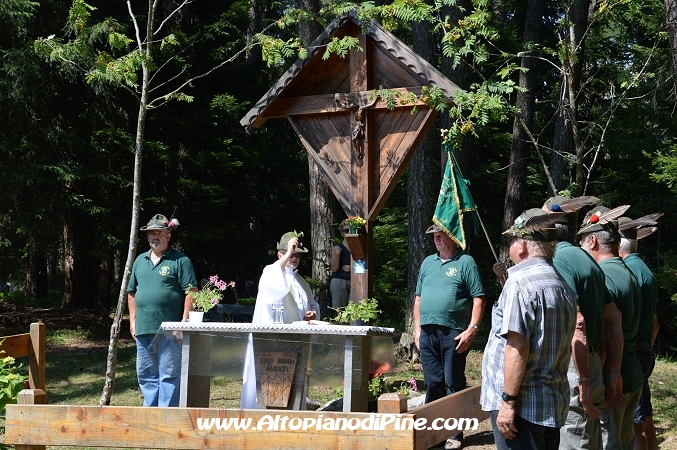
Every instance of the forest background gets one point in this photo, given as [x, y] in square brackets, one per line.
[558, 96]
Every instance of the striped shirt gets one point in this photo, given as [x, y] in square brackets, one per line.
[538, 304]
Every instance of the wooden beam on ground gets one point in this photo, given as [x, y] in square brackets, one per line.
[177, 428]
[460, 405]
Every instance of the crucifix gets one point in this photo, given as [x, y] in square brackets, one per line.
[360, 145]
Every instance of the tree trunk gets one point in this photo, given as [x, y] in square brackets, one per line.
[79, 277]
[671, 24]
[423, 183]
[253, 54]
[36, 273]
[322, 200]
[566, 122]
[517, 172]
[136, 207]
[461, 75]
[105, 281]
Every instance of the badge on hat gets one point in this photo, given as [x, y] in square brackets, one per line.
[535, 224]
[160, 222]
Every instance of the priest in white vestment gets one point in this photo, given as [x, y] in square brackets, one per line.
[279, 283]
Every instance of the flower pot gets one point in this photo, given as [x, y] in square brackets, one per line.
[354, 230]
[195, 316]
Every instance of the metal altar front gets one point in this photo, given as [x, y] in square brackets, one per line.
[288, 359]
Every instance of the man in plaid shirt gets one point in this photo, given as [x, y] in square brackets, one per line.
[524, 370]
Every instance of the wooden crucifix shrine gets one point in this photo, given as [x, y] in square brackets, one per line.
[361, 146]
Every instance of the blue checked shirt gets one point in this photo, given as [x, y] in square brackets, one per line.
[538, 304]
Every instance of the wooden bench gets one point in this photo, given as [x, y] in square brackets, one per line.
[32, 345]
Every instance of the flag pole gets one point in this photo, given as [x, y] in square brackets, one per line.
[453, 158]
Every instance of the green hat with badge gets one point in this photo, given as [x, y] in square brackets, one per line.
[160, 222]
[535, 225]
[602, 218]
[284, 242]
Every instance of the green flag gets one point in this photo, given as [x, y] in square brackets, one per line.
[454, 200]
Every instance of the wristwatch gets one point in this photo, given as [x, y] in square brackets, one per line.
[472, 325]
[508, 398]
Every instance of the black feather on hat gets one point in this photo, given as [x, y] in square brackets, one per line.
[630, 229]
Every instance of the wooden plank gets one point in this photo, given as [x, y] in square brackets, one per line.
[177, 428]
[408, 147]
[16, 346]
[343, 196]
[460, 405]
[391, 72]
[331, 148]
[326, 103]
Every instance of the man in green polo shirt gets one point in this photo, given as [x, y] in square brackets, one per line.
[600, 238]
[631, 232]
[156, 294]
[582, 429]
[448, 308]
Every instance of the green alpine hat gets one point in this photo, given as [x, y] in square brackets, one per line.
[601, 218]
[160, 222]
[284, 242]
[534, 224]
[569, 206]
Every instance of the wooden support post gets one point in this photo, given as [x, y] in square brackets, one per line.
[32, 397]
[392, 403]
[36, 357]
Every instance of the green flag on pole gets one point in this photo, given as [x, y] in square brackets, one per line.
[454, 200]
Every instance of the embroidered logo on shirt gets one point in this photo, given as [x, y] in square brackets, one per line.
[451, 272]
[164, 271]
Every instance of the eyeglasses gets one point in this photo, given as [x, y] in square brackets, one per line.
[295, 255]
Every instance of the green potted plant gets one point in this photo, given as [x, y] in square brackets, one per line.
[361, 312]
[355, 223]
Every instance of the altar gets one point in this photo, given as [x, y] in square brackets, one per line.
[287, 358]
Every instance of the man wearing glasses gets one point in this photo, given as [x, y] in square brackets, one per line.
[339, 287]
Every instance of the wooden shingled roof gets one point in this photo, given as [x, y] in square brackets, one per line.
[315, 76]
[360, 145]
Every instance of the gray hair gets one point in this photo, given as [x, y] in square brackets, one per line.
[627, 246]
[565, 232]
[540, 249]
[605, 239]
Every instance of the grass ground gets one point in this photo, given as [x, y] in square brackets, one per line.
[76, 367]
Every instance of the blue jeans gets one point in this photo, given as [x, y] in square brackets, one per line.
[443, 368]
[158, 369]
[529, 435]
